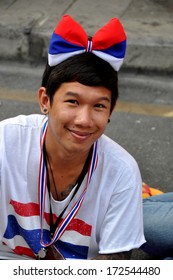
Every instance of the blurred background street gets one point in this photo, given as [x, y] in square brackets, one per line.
[143, 119]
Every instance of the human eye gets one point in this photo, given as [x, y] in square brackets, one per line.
[72, 101]
[100, 105]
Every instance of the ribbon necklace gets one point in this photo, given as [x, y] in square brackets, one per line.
[42, 187]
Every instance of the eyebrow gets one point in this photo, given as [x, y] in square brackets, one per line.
[71, 93]
[103, 98]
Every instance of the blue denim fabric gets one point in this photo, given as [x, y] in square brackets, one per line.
[158, 225]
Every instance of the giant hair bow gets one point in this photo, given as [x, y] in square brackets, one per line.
[69, 39]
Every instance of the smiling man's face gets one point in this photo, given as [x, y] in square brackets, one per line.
[78, 116]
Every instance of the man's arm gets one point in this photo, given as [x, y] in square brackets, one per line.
[115, 256]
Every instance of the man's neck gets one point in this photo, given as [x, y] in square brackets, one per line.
[63, 159]
[63, 169]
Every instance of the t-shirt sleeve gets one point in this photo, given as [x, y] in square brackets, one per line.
[122, 228]
[0, 155]
[1, 202]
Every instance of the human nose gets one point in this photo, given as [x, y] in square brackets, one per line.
[84, 117]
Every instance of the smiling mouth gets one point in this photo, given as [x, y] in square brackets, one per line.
[80, 135]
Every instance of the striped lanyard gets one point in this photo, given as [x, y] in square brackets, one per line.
[42, 187]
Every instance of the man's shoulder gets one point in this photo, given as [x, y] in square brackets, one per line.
[115, 153]
[34, 120]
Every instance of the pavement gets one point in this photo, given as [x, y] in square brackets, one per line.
[26, 27]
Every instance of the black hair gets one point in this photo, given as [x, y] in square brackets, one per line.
[85, 68]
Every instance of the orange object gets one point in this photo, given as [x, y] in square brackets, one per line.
[147, 191]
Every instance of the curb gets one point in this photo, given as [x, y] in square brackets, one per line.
[30, 46]
[26, 28]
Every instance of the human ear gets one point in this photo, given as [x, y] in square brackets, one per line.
[43, 100]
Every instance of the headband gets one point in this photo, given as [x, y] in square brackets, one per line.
[69, 39]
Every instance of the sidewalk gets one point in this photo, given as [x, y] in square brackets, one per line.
[26, 27]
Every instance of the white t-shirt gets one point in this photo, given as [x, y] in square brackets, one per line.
[109, 220]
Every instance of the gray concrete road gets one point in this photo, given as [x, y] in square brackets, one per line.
[142, 121]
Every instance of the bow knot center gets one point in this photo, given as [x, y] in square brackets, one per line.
[89, 46]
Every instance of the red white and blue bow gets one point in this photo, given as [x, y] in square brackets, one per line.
[69, 39]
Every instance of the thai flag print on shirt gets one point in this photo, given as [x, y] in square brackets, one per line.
[25, 236]
[26, 241]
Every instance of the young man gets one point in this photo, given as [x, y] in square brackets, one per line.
[67, 190]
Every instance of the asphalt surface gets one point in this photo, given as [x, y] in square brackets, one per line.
[142, 121]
